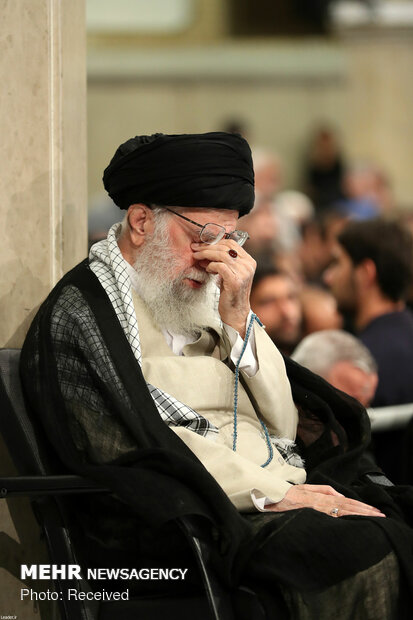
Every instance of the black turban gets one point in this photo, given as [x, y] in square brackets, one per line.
[188, 170]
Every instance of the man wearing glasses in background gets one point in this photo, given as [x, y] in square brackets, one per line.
[150, 348]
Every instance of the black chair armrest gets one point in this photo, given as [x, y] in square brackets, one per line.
[12, 486]
[379, 478]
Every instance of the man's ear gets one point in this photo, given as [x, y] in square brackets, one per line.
[366, 273]
[140, 223]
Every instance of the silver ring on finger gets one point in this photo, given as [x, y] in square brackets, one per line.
[233, 253]
[334, 512]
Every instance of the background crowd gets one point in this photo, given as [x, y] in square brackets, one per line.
[334, 280]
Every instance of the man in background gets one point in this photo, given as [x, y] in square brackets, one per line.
[288, 311]
[342, 360]
[275, 299]
[369, 275]
[319, 309]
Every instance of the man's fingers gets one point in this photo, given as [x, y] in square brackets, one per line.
[223, 244]
[359, 514]
[221, 250]
[234, 281]
[353, 507]
[348, 506]
[354, 503]
[343, 512]
[224, 270]
[214, 254]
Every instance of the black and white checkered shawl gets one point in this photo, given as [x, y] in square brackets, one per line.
[108, 264]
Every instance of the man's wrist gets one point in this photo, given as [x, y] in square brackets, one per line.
[242, 330]
[239, 325]
[249, 362]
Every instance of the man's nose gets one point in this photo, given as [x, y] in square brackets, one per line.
[287, 310]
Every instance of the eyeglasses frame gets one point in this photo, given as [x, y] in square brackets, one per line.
[202, 226]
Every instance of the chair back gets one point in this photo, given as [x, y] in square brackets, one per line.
[28, 448]
[33, 455]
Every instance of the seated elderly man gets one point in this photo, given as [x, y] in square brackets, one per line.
[342, 360]
[151, 375]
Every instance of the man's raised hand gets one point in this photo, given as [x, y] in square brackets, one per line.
[236, 269]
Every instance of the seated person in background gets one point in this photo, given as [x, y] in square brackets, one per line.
[275, 299]
[370, 275]
[317, 239]
[342, 360]
[152, 376]
[319, 310]
[367, 190]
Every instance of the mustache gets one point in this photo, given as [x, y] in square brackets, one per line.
[195, 274]
[200, 275]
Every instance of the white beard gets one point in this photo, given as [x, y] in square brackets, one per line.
[174, 305]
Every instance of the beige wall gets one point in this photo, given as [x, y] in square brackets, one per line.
[42, 212]
[361, 84]
[379, 122]
[208, 22]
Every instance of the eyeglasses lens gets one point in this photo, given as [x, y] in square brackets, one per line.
[212, 233]
[240, 237]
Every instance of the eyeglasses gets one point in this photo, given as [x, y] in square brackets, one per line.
[212, 233]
